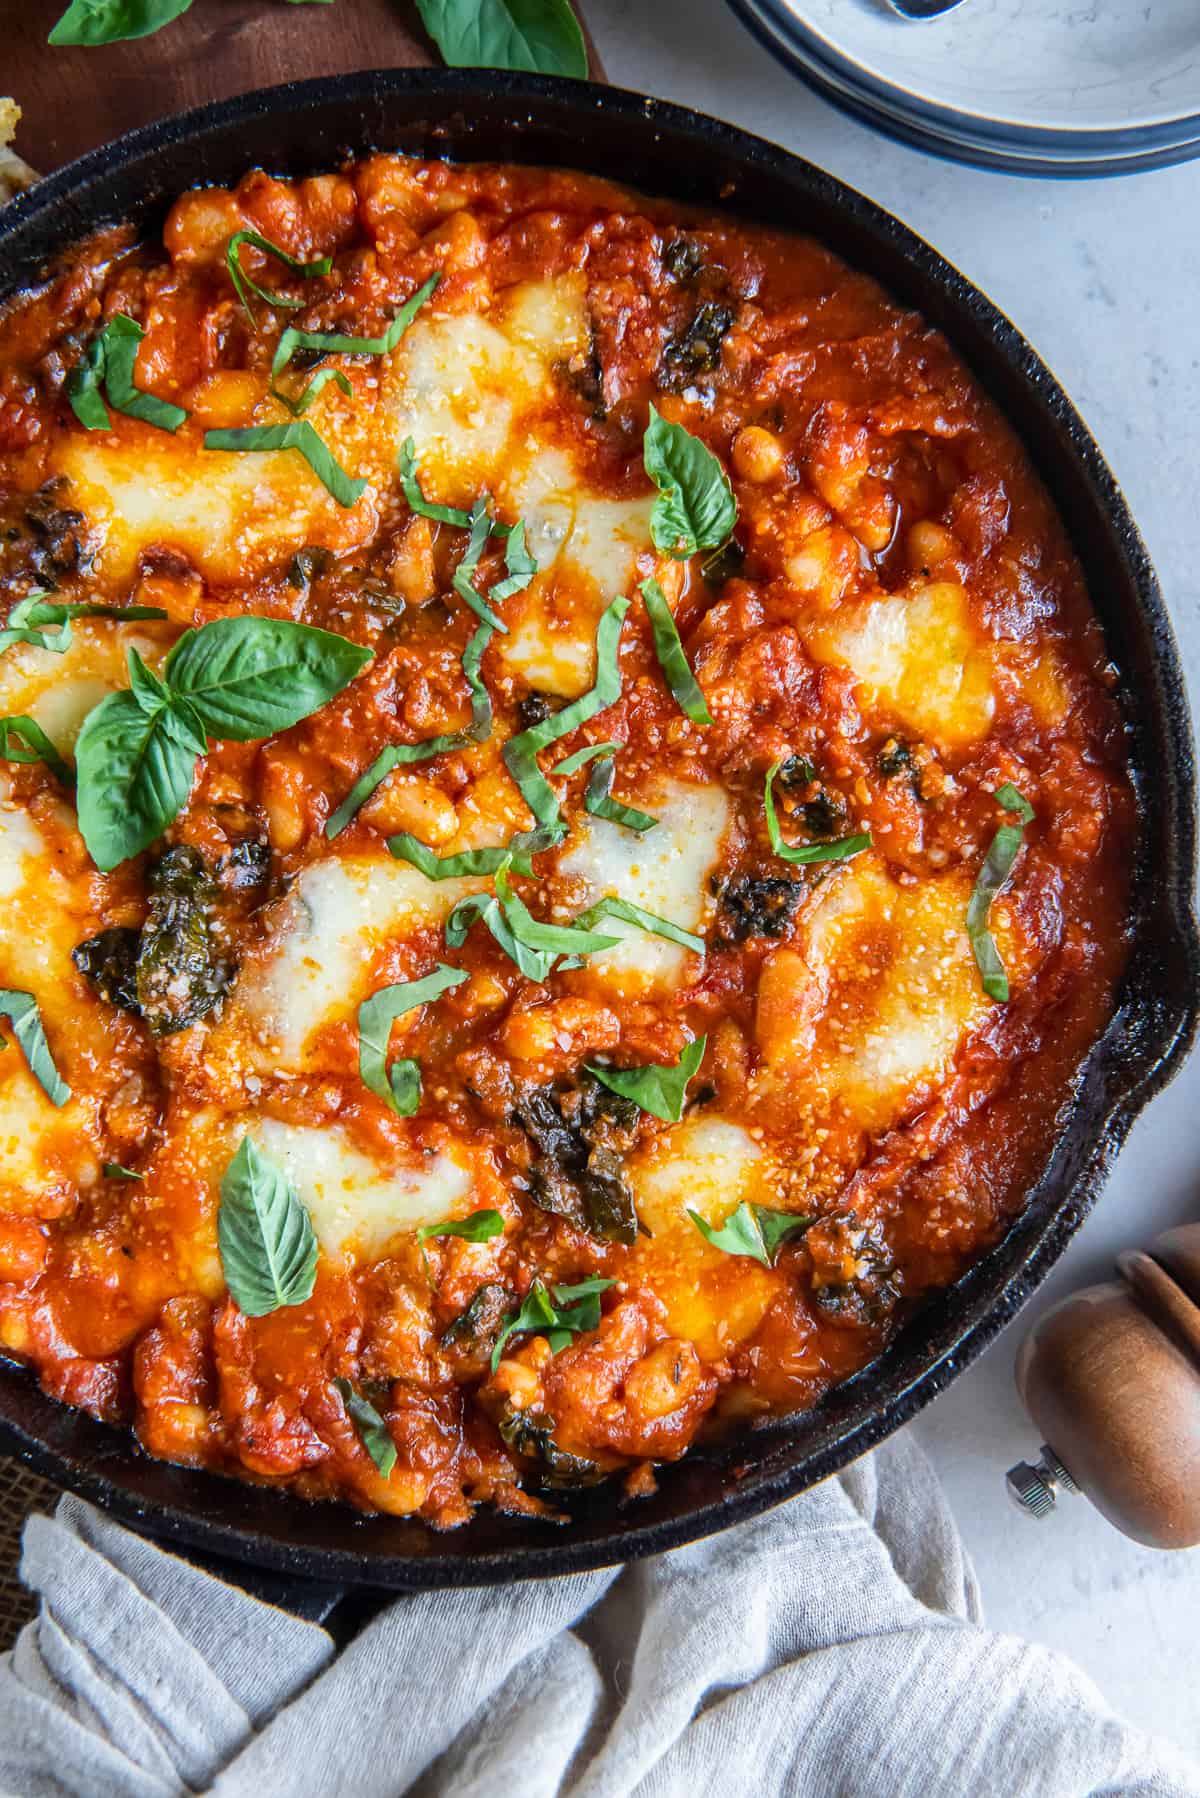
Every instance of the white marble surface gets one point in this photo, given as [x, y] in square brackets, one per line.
[1103, 277]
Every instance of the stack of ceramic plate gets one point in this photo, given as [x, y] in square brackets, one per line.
[1097, 88]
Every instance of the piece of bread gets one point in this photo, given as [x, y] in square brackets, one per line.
[15, 173]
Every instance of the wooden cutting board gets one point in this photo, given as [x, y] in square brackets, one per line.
[73, 99]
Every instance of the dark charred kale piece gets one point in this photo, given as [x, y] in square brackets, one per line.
[696, 351]
[796, 771]
[894, 758]
[582, 1134]
[109, 961]
[530, 1434]
[683, 258]
[182, 971]
[535, 708]
[475, 1330]
[851, 1269]
[585, 377]
[756, 905]
[723, 563]
[825, 816]
[307, 564]
[247, 865]
[57, 550]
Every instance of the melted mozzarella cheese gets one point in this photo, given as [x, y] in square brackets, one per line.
[709, 1166]
[918, 657]
[664, 871]
[357, 1204]
[327, 932]
[873, 1012]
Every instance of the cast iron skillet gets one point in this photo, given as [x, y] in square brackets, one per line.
[312, 125]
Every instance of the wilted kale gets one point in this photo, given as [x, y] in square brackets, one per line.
[530, 1434]
[109, 961]
[756, 905]
[851, 1269]
[582, 1134]
[535, 708]
[475, 1330]
[696, 351]
[177, 968]
[683, 258]
[307, 564]
[723, 563]
[894, 758]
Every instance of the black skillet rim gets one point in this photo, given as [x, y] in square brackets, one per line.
[1151, 1030]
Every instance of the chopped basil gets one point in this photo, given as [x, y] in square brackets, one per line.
[336, 343]
[316, 387]
[532, 945]
[520, 753]
[244, 286]
[30, 614]
[265, 1236]
[470, 863]
[400, 754]
[237, 678]
[112, 1170]
[658, 1090]
[401, 1089]
[481, 1226]
[480, 526]
[300, 436]
[23, 740]
[372, 1430]
[416, 499]
[695, 508]
[21, 1010]
[998, 865]
[599, 802]
[753, 1230]
[543, 36]
[571, 764]
[673, 662]
[112, 358]
[806, 852]
[573, 1310]
[645, 920]
[519, 562]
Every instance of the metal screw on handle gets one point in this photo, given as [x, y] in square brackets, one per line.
[1035, 1488]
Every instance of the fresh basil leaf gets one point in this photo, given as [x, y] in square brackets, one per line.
[133, 776]
[121, 337]
[244, 286]
[571, 764]
[376, 1016]
[95, 22]
[24, 740]
[673, 662]
[658, 1090]
[250, 677]
[539, 35]
[21, 1010]
[997, 866]
[336, 343]
[400, 754]
[416, 499]
[112, 1170]
[806, 853]
[481, 1226]
[316, 387]
[695, 509]
[519, 562]
[300, 436]
[480, 526]
[559, 1319]
[753, 1230]
[645, 920]
[520, 753]
[373, 1432]
[599, 802]
[268, 1248]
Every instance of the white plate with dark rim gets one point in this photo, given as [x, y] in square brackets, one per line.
[1039, 87]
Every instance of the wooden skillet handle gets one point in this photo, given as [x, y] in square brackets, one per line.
[73, 99]
[1111, 1377]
